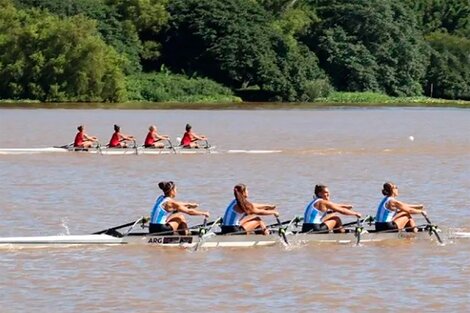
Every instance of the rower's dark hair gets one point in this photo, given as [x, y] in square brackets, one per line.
[166, 187]
[387, 189]
[188, 127]
[318, 189]
[239, 191]
[80, 127]
[116, 128]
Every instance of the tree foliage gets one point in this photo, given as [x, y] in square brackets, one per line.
[49, 58]
[116, 30]
[442, 15]
[290, 50]
[369, 45]
[449, 73]
[233, 42]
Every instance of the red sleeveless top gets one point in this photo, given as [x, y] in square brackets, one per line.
[78, 140]
[186, 141]
[114, 142]
[149, 140]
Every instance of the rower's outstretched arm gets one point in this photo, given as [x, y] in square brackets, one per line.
[401, 206]
[198, 137]
[341, 209]
[181, 207]
[259, 211]
[264, 206]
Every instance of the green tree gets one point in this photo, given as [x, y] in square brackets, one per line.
[234, 42]
[116, 30]
[442, 15]
[369, 45]
[448, 76]
[48, 58]
[148, 18]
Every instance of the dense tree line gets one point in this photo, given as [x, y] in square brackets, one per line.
[288, 50]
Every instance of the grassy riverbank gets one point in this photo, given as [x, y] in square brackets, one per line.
[336, 99]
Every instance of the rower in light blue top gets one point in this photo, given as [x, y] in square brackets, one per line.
[232, 217]
[320, 213]
[393, 214]
[159, 214]
[241, 214]
[384, 215]
[312, 215]
[166, 216]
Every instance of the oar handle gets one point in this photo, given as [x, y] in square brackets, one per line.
[426, 217]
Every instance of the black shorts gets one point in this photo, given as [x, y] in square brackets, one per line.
[381, 226]
[160, 228]
[227, 229]
[308, 227]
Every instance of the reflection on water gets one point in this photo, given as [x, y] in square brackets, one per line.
[352, 151]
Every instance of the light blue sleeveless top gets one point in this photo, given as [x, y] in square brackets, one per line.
[312, 215]
[383, 214]
[159, 214]
[232, 217]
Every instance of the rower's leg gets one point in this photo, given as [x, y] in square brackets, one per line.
[178, 223]
[183, 229]
[251, 223]
[411, 225]
[334, 223]
[402, 219]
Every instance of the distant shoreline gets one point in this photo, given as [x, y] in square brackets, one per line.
[335, 100]
[224, 106]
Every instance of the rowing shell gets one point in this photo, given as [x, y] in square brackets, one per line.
[109, 151]
[210, 241]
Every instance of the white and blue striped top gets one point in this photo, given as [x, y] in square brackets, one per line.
[159, 214]
[383, 214]
[312, 215]
[232, 217]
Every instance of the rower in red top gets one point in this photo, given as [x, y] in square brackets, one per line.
[153, 139]
[118, 140]
[190, 138]
[82, 140]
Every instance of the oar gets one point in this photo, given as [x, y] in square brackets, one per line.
[203, 230]
[366, 219]
[135, 146]
[171, 145]
[68, 146]
[358, 231]
[98, 146]
[432, 228]
[117, 227]
[282, 223]
[142, 219]
[282, 231]
[205, 233]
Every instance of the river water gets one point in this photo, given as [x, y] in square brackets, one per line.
[353, 151]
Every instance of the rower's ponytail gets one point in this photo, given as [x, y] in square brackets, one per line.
[388, 189]
[318, 189]
[166, 187]
[239, 191]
